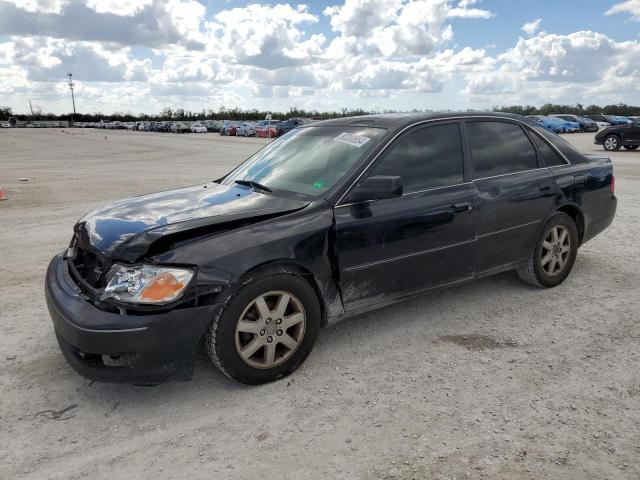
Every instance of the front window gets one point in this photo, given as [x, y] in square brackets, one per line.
[425, 158]
[307, 161]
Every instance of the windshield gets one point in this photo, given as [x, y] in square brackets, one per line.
[307, 161]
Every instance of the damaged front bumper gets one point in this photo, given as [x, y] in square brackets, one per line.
[111, 347]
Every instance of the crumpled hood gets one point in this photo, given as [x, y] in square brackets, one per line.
[125, 230]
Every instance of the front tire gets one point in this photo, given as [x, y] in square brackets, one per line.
[611, 143]
[265, 330]
[631, 147]
[554, 254]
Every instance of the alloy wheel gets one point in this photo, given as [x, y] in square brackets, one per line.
[270, 329]
[555, 250]
[610, 143]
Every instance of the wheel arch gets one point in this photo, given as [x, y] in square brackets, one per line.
[577, 216]
[289, 266]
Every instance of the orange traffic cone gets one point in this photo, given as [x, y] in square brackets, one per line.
[3, 195]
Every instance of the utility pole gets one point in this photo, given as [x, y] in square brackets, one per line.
[31, 108]
[72, 97]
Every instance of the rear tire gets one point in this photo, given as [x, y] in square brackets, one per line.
[631, 147]
[265, 330]
[554, 254]
[611, 143]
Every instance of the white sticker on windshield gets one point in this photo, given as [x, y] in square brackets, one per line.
[351, 139]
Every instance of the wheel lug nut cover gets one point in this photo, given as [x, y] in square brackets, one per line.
[269, 339]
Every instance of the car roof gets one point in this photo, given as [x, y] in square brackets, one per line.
[396, 121]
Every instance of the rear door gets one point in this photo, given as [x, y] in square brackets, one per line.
[395, 247]
[516, 192]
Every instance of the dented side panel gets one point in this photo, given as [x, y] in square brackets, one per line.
[300, 240]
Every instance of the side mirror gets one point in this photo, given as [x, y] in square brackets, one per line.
[377, 188]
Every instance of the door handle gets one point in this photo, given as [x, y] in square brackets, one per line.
[462, 207]
[545, 187]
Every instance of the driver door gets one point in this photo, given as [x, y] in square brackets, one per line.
[422, 239]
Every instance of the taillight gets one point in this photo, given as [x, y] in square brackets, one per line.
[612, 185]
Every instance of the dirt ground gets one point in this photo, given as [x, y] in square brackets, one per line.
[493, 379]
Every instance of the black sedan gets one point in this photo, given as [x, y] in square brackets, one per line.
[330, 220]
[612, 138]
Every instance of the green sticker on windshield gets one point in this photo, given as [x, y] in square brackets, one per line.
[318, 184]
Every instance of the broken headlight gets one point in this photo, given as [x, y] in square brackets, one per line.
[147, 284]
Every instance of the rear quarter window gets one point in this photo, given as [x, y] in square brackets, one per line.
[549, 155]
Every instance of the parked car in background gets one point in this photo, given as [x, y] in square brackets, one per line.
[246, 129]
[614, 137]
[601, 120]
[225, 124]
[290, 124]
[163, 127]
[180, 127]
[569, 126]
[586, 124]
[267, 129]
[197, 127]
[229, 130]
[213, 125]
[556, 125]
[550, 124]
[329, 221]
[619, 120]
[610, 119]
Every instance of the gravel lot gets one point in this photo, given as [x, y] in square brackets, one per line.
[493, 379]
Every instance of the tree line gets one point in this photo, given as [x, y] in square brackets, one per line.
[180, 114]
[577, 109]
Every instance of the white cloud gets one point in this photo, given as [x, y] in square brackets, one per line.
[157, 24]
[46, 6]
[583, 66]
[395, 28]
[531, 27]
[118, 7]
[577, 57]
[630, 7]
[265, 35]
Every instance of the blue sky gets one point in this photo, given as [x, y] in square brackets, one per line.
[325, 55]
[559, 16]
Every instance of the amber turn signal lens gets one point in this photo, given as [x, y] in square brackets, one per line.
[163, 286]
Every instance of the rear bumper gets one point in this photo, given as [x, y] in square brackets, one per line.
[110, 347]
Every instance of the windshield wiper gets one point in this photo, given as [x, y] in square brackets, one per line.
[251, 183]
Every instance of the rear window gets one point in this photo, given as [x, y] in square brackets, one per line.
[499, 148]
